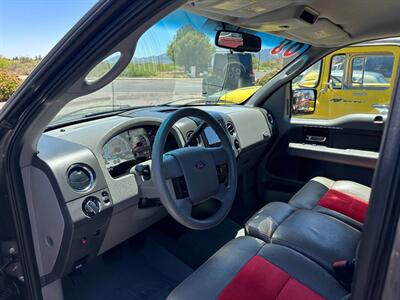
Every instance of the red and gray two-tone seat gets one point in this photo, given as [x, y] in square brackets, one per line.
[323, 221]
[248, 268]
[291, 251]
[320, 237]
[345, 200]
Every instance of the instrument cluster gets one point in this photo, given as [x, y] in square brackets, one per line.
[131, 147]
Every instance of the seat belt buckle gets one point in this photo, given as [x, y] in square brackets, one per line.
[344, 270]
[340, 264]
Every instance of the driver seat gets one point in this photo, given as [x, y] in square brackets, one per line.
[248, 268]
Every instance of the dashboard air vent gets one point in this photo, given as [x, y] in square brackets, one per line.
[230, 128]
[80, 177]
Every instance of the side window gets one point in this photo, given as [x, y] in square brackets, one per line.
[372, 71]
[308, 78]
[357, 70]
[347, 83]
[338, 71]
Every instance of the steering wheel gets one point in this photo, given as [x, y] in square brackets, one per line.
[189, 176]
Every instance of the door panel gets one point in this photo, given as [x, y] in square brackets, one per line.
[341, 138]
[345, 148]
[351, 157]
[285, 164]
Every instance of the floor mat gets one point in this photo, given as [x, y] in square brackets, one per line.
[138, 270]
[193, 247]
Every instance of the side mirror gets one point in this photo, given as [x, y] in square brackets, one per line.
[238, 41]
[303, 101]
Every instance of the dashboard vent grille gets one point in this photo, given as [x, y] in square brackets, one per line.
[230, 128]
[80, 177]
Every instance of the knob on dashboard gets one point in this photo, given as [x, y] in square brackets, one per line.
[91, 206]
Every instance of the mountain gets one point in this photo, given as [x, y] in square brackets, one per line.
[155, 59]
[265, 54]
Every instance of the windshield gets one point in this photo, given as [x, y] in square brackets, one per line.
[176, 62]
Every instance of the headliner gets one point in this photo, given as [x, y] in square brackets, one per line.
[337, 22]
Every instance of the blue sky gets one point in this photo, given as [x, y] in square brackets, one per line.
[33, 27]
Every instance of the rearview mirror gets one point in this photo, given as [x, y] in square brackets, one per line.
[238, 41]
[303, 101]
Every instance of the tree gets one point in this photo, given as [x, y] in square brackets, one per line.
[9, 83]
[190, 47]
[256, 62]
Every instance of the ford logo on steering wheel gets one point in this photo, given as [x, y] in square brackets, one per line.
[200, 165]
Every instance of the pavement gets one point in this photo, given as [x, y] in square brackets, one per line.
[138, 92]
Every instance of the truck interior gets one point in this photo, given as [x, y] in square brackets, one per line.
[188, 199]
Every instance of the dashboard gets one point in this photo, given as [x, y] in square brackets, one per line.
[87, 175]
[131, 147]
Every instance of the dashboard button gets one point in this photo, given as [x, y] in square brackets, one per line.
[105, 197]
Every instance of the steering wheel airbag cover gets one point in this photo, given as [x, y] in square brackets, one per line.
[199, 171]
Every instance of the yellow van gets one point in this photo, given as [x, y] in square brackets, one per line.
[357, 79]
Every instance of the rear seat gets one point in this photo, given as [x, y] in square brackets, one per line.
[323, 221]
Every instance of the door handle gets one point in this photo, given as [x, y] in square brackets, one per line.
[378, 120]
[315, 138]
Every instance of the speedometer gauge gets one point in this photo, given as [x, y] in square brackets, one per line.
[117, 149]
[131, 147]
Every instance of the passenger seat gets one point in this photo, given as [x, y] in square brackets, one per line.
[323, 221]
[345, 200]
[247, 268]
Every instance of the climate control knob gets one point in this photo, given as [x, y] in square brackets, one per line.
[91, 206]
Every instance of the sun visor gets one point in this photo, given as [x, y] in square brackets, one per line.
[322, 33]
[280, 17]
[239, 8]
